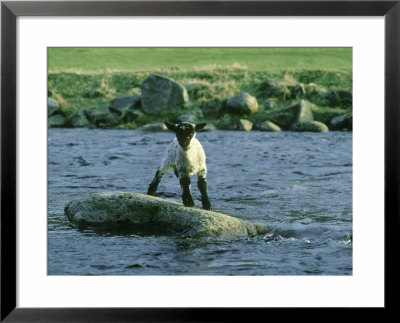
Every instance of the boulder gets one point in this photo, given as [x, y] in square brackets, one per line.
[297, 91]
[245, 125]
[187, 118]
[198, 89]
[79, 119]
[102, 119]
[267, 126]
[162, 93]
[331, 97]
[317, 94]
[56, 121]
[270, 103]
[341, 122]
[309, 126]
[242, 104]
[130, 115]
[120, 105]
[338, 97]
[346, 98]
[154, 127]
[52, 107]
[304, 111]
[95, 93]
[271, 87]
[154, 216]
[107, 120]
[209, 127]
[227, 122]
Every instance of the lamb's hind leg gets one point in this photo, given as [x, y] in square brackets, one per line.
[202, 185]
[187, 198]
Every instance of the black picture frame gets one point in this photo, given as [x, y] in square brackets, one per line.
[10, 10]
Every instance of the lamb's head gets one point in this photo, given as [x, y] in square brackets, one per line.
[184, 131]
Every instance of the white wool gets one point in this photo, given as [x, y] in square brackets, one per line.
[188, 162]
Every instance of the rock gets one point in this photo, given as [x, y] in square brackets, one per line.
[316, 89]
[304, 111]
[242, 104]
[56, 121]
[271, 87]
[130, 115]
[227, 123]
[297, 91]
[103, 119]
[270, 104]
[340, 98]
[245, 125]
[124, 103]
[187, 118]
[198, 89]
[341, 122]
[95, 93]
[346, 98]
[318, 94]
[209, 127]
[155, 216]
[332, 97]
[350, 123]
[52, 107]
[198, 114]
[79, 119]
[162, 93]
[267, 126]
[154, 127]
[309, 126]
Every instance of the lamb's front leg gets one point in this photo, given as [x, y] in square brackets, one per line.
[154, 184]
[202, 185]
[187, 198]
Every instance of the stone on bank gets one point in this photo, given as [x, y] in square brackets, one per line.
[162, 93]
[156, 215]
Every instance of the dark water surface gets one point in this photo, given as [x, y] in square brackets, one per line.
[297, 185]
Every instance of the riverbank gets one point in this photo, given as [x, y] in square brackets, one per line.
[227, 98]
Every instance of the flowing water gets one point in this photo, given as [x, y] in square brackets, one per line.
[297, 185]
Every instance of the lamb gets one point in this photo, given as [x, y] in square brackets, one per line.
[186, 157]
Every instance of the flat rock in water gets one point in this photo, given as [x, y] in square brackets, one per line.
[156, 215]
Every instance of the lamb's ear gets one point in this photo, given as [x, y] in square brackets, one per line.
[171, 126]
[200, 126]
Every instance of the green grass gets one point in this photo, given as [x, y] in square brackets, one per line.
[98, 60]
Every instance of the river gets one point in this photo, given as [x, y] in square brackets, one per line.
[296, 185]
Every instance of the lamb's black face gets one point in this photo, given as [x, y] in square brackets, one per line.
[184, 132]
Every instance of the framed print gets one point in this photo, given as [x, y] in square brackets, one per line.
[197, 156]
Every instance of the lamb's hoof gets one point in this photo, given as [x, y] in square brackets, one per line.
[187, 200]
[206, 205]
[188, 204]
[207, 208]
